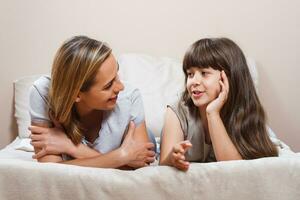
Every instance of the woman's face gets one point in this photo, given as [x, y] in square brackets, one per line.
[103, 94]
[203, 85]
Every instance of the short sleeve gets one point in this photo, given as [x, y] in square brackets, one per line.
[38, 107]
[137, 114]
[181, 113]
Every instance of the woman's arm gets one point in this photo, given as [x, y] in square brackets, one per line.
[131, 151]
[39, 149]
[141, 136]
[63, 144]
[53, 141]
[173, 147]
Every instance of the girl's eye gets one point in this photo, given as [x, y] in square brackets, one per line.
[190, 74]
[204, 73]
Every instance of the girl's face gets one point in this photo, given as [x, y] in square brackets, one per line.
[203, 85]
[104, 92]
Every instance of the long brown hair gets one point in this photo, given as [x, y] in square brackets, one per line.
[242, 114]
[74, 69]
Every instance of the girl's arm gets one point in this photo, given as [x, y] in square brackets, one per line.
[173, 147]
[223, 147]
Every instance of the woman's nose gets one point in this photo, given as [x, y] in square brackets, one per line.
[119, 86]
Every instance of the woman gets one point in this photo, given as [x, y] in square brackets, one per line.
[85, 112]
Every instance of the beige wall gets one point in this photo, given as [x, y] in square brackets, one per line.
[267, 30]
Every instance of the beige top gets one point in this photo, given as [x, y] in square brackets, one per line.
[193, 131]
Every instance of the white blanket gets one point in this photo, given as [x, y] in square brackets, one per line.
[266, 178]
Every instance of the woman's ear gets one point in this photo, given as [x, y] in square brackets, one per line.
[77, 100]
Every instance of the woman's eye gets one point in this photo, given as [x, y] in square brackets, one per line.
[108, 86]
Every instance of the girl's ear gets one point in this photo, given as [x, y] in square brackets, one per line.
[221, 79]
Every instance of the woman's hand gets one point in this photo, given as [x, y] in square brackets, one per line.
[51, 141]
[177, 155]
[137, 154]
[216, 105]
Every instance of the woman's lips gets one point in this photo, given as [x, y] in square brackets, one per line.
[113, 99]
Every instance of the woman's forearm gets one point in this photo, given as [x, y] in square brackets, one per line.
[113, 159]
[82, 151]
[224, 148]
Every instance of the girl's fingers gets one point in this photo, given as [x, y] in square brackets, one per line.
[186, 145]
[178, 149]
[224, 91]
[182, 166]
[182, 162]
[225, 81]
[177, 156]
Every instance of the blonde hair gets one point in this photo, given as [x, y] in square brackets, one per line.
[74, 69]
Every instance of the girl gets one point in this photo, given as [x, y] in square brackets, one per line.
[219, 116]
[83, 111]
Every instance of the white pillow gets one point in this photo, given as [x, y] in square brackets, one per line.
[160, 80]
[21, 87]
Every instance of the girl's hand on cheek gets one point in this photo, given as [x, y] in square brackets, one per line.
[216, 105]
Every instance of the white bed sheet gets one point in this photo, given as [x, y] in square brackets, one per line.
[267, 178]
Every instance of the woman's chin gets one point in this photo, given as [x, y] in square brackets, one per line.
[109, 106]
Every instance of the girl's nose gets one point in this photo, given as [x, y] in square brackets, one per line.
[197, 79]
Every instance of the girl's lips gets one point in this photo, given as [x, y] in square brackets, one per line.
[197, 94]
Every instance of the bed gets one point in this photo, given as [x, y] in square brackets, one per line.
[21, 177]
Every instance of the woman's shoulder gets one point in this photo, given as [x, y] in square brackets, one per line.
[42, 84]
[130, 92]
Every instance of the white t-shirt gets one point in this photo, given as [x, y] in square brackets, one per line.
[129, 108]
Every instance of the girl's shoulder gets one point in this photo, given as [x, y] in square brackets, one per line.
[181, 109]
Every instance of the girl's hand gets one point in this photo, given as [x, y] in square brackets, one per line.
[51, 141]
[216, 105]
[177, 155]
[137, 154]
